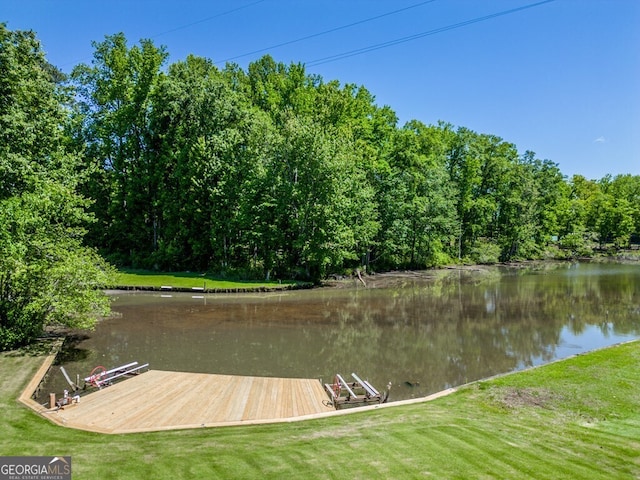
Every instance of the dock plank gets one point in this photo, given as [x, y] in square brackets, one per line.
[255, 398]
[161, 400]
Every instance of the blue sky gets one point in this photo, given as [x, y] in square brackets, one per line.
[561, 79]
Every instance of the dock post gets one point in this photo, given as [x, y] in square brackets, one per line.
[52, 400]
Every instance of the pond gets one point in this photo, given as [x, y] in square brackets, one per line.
[421, 331]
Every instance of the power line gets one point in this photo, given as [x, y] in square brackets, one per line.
[182, 27]
[390, 43]
[342, 27]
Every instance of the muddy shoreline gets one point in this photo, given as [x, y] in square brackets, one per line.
[388, 279]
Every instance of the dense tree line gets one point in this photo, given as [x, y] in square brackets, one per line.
[268, 171]
[273, 171]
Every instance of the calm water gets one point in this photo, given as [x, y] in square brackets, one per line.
[422, 333]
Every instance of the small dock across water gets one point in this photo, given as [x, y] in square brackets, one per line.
[163, 400]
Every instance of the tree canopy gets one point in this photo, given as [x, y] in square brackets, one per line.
[274, 171]
[47, 275]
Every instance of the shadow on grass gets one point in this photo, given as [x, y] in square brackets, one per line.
[40, 347]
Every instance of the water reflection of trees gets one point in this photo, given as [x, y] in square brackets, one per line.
[458, 329]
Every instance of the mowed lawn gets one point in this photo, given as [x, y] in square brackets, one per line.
[188, 280]
[574, 419]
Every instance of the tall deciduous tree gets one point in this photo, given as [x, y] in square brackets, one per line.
[314, 202]
[621, 216]
[47, 276]
[115, 104]
[206, 142]
[420, 223]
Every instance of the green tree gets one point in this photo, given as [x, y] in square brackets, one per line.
[517, 217]
[348, 127]
[624, 191]
[614, 214]
[314, 202]
[584, 198]
[114, 100]
[207, 141]
[279, 89]
[47, 276]
[420, 224]
[553, 198]
[479, 165]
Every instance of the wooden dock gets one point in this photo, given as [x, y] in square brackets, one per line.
[162, 400]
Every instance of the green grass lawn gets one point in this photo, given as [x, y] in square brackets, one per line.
[188, 280]
[575, 419]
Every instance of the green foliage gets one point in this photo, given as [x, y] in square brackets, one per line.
[419, 222]
[47, 276]
[276, 173]
[576, 244]
[203, 139]
[484, 252]
[273, 170]
[320, 198]
[616, 210]
[114, 104]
